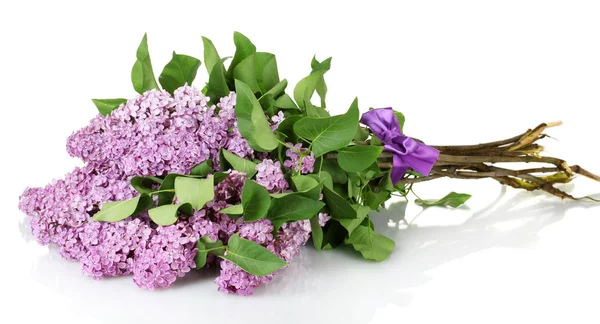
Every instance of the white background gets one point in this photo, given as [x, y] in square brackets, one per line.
[462, 72]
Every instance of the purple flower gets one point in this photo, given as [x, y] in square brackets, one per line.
[270, 176]
[308, 161]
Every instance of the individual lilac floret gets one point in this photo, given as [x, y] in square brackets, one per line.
[323, 219]
[270, 176]
[170, 252]
[308, 161]
[277, 119]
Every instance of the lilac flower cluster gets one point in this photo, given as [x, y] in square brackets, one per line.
[308, 161]
[154, 134]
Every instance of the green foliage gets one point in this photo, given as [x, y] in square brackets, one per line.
[142, 75]
[255, 201]
[234, 211]
[339, 208]
[180, 70]
[316, 232]
[372, 245]
[293, 207]
[243, 49]
[351, 224]
[252, 123]
[328, 134]
[143, 185]
[231, 161]
[452, 199]
[119, 210]
[197, 192]
[217, 83]
[203, 169]
[306, 87]
[167, 214]
[211, 57]
[357, 158]
[106, 106]
[252, 257]
[205, 246]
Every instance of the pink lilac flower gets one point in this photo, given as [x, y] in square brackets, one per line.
[270, 176]
[308, 161]
[155, 134]
[277, 119]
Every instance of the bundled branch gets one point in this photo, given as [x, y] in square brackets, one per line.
[478, 161]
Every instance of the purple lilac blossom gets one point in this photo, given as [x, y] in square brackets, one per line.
[155, 134]
[308, 161]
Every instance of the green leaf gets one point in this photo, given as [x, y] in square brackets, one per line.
[354, 185]
[142, 75]
[243, 49]
[329, 134]
[362, 134]
[119, 210]
[246, 72]
[357, 158]
[106, 106]
[231, 161]
[307, 186]
[268, 104]
[203, 169]
[255, 201]
[167, 184]
[205, 246]
[339, 208]
[351, 224]
[401, 120]
[323, 177]
[143, 185]
[306, 87]
[321, 86]
[252, 123]
[372, 245]
[217, 87]
[294, 208]
[167, 214]
[333, 235]
[194, 191]
[452, 199]
[179, 71]
[285, 102]
[234, 211]
[211, 57]
[287, 128]
[267, 74]
[252, 257]
[316, 232]
[277, 90]
[337, 174]
[375, 199]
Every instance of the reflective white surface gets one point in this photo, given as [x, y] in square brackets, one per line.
[508, 256]
[463, 72]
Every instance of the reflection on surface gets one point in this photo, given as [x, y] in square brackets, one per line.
[329, 286]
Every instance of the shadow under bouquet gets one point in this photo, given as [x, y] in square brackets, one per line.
[240, 174]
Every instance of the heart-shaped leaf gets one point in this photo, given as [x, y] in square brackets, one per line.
[252, 122]
[339, 207]
[211, 57]
[372, 245]
[197, 192]
[180, 70]
[106, 106]
[205, 246]
[203, 169]
[452, 199]
[252, 257]
[142, 75]
[329, 134]
[357, 158]
[119, 210]
[231, 161]
[255, 201]
[243, 49]
[167, 214]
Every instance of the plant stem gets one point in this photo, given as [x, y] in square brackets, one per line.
[477, 162]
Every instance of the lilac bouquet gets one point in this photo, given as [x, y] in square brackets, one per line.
[239, 175]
